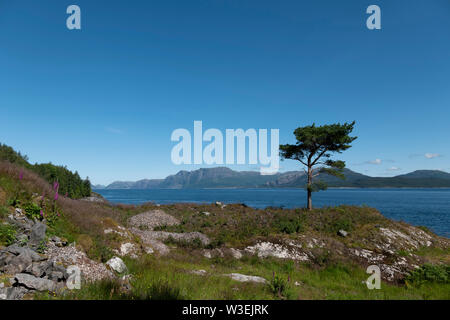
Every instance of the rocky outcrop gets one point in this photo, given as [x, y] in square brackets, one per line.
[34, 283]
[152, 219]
[72, 256]
[283, 251]
[143, 225]
[46, 270]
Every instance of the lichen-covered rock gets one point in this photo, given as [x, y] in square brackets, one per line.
[128, 249]
[235, 253]
[283, 251]
[244, 278]
[117, 265]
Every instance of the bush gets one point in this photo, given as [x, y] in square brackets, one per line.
[289, 225]
[7, 234]
[429, 273]
[342, 224]
[32, 211]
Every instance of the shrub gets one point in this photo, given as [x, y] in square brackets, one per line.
[289, 225]
[32, 211]
[342, 224]
[322, 257]
[42, 247]
[7, 234]
[429, 273]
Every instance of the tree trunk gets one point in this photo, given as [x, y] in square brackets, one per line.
[309, 188]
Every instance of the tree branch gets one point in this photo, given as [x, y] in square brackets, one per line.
[319, 156]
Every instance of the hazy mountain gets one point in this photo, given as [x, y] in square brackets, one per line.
[223, 177]
[426, 174]
[121, 185]
[147, 184]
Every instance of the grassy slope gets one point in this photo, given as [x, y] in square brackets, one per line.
[235, 226]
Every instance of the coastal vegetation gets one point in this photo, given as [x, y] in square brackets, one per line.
[70, 183]
[218, 251]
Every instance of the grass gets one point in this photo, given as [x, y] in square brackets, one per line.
[171, 278]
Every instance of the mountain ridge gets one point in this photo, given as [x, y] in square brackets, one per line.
[223, 177]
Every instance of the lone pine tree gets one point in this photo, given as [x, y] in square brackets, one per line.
[314, 148]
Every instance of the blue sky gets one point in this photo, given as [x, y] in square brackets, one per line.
[104, 100]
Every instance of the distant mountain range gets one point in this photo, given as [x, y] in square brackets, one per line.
[223, 177]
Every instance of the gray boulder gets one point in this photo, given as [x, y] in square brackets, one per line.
[117, 265]
[5, 258]
[15, 249]
[31, 282]
[19, 263]
[22, 223]
[40, 269]
[12, 293]
[37, 234]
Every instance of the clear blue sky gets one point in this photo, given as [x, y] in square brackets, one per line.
[104, 100]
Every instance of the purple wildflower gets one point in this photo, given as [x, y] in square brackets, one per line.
[55, 186]
[42, 214]
[21, 175]
[56, 195]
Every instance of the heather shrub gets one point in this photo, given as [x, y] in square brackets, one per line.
[429, 273]
[288, 225]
